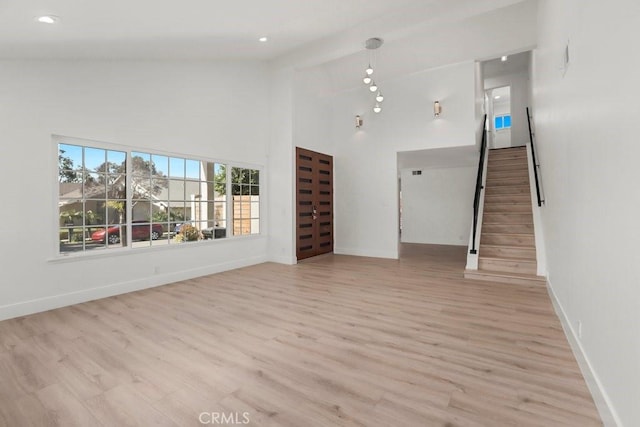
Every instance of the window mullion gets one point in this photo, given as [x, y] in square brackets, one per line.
[129, 198]
[229, 204]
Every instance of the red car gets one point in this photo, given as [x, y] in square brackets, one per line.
[139, 230]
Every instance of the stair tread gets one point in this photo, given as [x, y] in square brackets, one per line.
[498, 163]
[509, 274]
[494, 160]
[494, 246]
[509, 235]
[508, 198]
[512, 253]
[507, 224]
[509, 213]
[517, 202]
[507, 259]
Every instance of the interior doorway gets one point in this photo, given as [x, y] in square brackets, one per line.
[314, 203]
[499, 111]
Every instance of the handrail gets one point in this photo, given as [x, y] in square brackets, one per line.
[479, 186]
[533, 160]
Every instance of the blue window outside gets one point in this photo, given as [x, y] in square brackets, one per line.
[502, 122]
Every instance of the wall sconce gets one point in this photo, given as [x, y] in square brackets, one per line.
[358, 122]
[437, 109]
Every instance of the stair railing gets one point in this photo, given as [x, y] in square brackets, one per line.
[536, 166]
[479, 186]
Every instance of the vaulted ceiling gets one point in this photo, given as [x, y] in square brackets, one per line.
[208, 29]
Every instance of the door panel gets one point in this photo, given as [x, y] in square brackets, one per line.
[314, 203]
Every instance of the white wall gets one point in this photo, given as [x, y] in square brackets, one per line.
[312, 114]
[480, 107]
[366, 189]
[436, 205]
[214, 110]
[281, 206]
[587, 135]
[325, 93]
[520, 85]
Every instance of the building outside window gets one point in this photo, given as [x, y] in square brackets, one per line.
[115, 198]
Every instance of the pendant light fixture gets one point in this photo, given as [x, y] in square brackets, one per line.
[371, 45]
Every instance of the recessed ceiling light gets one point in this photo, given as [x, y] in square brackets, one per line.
[503, 59]
[47, 19]
[496, 97]
[263, 39]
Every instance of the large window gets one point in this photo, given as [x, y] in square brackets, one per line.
[121, 198]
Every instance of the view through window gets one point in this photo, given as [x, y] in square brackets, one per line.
[112, 198]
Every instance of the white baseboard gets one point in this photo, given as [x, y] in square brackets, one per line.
[282, 260]
[600, 397]
[365, 253]
[49, 303]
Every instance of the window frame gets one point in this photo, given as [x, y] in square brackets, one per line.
[503, 127]
[128, 150]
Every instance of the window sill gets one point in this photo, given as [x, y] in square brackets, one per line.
[110, 253]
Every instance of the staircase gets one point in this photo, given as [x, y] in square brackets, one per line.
[507, 252]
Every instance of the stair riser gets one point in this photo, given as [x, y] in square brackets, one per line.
[492, 174]
[508, 228]
[507, 198]
[521, 267]
[516, 158]
[507, 181]
[506, 239]
[510, 153]
[510, 189]
[508, 252]
[507, 207]
[509, 280]
[506, 166]
[502, 218]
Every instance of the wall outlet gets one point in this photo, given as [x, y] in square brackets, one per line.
[579, 329]
[156, 269]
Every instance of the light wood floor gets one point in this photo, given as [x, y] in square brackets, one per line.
[332, 341]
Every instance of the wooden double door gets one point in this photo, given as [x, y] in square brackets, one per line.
[314, 203]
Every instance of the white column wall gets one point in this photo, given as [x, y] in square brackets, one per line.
[587, 127]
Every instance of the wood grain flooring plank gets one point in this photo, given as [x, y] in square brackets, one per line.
[332, 341]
